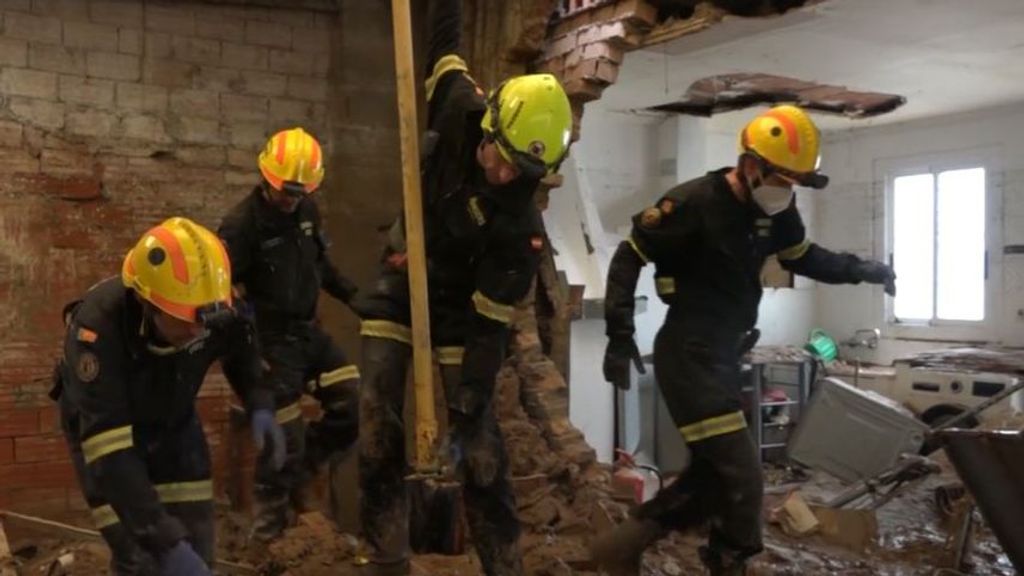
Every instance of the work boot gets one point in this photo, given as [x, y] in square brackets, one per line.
[389, 551]
[618, 551]
[502, 560]
[719, 564]
[386, 568]
[270, 516]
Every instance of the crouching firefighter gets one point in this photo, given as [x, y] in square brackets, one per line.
[136, 352]
[483, 237]
[278, 251]
[708, 239]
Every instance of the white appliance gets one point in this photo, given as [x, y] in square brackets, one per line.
[931, 393]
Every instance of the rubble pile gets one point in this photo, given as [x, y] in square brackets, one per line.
[565, 496]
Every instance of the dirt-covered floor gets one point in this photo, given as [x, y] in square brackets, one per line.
[564, 498]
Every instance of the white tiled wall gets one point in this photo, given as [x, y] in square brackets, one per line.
[850, 212]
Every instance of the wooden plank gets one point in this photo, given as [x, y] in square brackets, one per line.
[426, 419]
[78, 531]
[6, 559]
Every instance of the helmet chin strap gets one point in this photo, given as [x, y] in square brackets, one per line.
[748, 183]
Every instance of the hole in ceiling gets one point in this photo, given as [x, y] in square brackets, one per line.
[685, 8]
[727, 92]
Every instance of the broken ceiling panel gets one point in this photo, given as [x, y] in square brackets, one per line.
[728, 92]
[685, 8]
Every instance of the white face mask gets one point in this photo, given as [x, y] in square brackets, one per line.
[772, 199]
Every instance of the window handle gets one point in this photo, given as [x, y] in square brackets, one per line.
[986, 264]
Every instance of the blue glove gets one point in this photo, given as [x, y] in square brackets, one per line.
[182, 560]
[264, 425]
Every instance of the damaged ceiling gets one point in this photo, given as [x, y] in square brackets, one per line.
[942, 57]
[686, 8]
[727, 92]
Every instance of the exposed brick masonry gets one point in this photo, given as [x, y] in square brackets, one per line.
[114, 115]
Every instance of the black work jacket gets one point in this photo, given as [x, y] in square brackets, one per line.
[120, 396]
[709, 248]
[281, 259]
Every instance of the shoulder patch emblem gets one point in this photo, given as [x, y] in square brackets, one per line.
[667, 206]
[88, 367]
[650, 217]
[537, 243]
[86, 335]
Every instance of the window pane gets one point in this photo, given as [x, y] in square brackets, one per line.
[914, 246]
[961, 245]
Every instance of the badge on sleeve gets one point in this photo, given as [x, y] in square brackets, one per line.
[650, 217]
[88, 367]
[537, 243]
[667, 206]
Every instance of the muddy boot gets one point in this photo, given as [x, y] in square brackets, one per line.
[378, 567]
[720, 564]
[503, 560]
[389, 549]
[618, 551]
[270, 515]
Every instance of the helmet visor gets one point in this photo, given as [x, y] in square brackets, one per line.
[293, 189]
[215, 315]
[815, 179]
[528, 165]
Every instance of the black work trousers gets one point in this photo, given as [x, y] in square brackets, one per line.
[699, 379]
[473, 436]
[178, 461]
[303, 360]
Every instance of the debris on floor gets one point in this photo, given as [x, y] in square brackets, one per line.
[565, 496]
[795, 517]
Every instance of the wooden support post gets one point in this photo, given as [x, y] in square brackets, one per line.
[426, 418]
[436, 518]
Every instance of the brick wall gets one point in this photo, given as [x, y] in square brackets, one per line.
[113, 116]
[586, 47]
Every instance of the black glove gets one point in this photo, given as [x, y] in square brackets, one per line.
[748, 341]
[347, 290]
[874, 272]
[620, 352]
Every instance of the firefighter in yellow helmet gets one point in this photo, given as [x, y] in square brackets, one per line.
[708, 239]
[278, 249]
[484, 155]
[136, 352]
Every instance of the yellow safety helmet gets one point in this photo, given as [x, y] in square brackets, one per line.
[530, 120]
[292, 161]
[786, 139]
[182, 269]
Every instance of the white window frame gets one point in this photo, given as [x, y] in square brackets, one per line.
[886, 171]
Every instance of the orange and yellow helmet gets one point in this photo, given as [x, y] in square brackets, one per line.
[786, 139]
[182, 269]
[292, 161]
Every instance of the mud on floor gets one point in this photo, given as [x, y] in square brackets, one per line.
[558, 521]
[565, 497]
